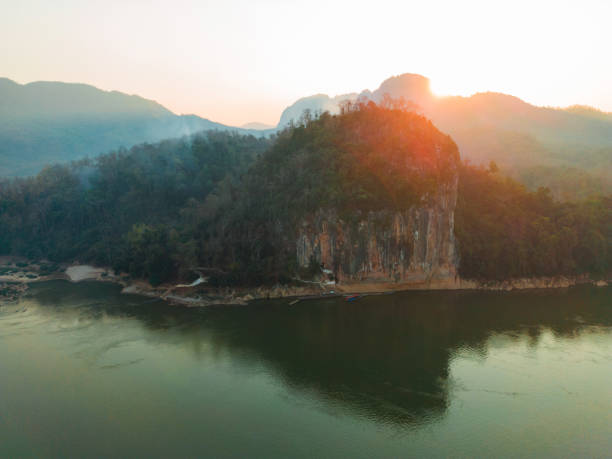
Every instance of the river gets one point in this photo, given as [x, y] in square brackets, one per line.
[88, 372]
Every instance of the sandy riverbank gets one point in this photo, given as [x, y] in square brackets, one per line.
[470, 284]
[79, 273]
[17, 270]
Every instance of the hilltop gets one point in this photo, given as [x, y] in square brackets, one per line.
[568, 150]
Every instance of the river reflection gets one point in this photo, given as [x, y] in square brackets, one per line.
[391, 360]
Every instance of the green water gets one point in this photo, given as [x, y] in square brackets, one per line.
[87, 372]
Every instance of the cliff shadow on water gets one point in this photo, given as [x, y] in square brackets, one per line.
[386, 358]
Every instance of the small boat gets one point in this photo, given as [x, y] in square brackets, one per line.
[352, 297]
[294, 302]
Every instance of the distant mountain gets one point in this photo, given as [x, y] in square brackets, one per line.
[257, 126]
[316, 103]
[45, 122]
[497, 127]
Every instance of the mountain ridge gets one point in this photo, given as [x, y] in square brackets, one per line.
[492, 126]
[47, 122]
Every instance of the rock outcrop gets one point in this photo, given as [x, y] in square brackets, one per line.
[416, 245]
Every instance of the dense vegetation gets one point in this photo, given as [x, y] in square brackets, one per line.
[505, 231]
[369, 158]
[126, 209]
[366, 159]
[229, 203]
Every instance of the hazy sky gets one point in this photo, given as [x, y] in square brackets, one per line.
[237, 61]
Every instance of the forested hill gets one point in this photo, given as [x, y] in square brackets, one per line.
[50, 122]
[329, 190]
[505, 231]
[131, 209]
[375, 159]
[221, 199]
[568, 150]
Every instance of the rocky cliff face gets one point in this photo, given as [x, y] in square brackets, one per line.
[412, 246]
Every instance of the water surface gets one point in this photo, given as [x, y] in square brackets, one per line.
[85, 371]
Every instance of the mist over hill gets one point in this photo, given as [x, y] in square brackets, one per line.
[316, 103]
[257, 126]
[48, 122]
[565, 147]
[567, 150]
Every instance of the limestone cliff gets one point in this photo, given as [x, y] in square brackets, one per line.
[369, 194]
[412, 246]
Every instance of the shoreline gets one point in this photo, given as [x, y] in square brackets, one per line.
[20, 271]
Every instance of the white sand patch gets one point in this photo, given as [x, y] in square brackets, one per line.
[198, 281]
[83, 272]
